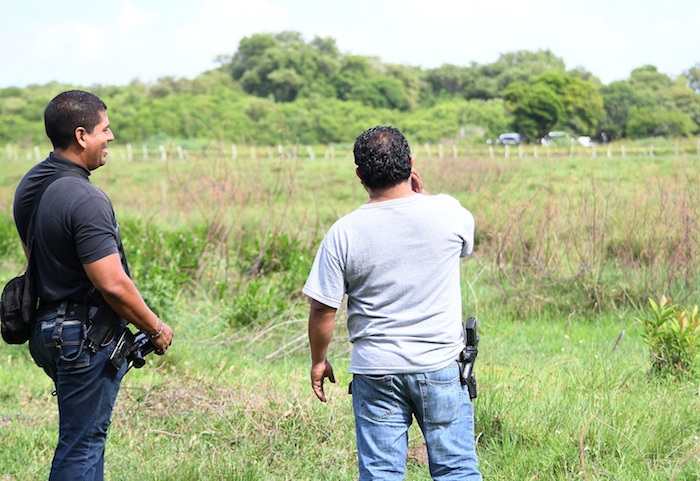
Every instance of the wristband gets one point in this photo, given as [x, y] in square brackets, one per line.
[158, 331]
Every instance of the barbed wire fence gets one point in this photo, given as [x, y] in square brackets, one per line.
[147, 153]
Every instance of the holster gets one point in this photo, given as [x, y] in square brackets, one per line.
[101, 322]
[468, 355]
[101, 326]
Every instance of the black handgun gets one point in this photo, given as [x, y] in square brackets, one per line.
[468, 356]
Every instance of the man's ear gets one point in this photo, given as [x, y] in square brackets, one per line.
[411, 161]
[357, 173]
[80, 134]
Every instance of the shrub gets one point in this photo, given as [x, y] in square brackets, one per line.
[162, 262]
[673, 335]
[255, 300]
[275, 267]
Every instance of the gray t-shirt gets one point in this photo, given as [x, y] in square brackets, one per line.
[398, 263]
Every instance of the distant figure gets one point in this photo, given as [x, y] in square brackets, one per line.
[604, 138]
[397, 258]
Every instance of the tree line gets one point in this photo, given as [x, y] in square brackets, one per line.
[280, 89]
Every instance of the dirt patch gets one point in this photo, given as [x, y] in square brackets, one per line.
[418, 454]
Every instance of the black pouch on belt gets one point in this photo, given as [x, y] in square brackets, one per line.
[101, 321]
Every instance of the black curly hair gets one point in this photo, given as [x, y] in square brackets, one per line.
[383, 157]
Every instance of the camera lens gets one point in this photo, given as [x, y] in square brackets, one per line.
[138, 360]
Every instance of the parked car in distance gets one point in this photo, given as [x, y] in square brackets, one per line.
[509, 138]
[557, 138]
[585, 141]
[562, 139]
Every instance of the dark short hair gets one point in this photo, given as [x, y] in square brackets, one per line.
[68, 111]
[383, 157]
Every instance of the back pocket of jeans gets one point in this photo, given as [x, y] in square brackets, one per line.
[376, 396]
[441, 400]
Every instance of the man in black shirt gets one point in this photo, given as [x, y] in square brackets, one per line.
[76, 245]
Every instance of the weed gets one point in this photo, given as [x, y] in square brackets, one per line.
[672, 333]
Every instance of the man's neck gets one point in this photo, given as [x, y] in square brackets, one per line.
[68, 154]
[396, 192]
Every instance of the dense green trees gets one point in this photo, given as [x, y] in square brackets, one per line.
[554, 101]
[535, 107]
[490, 81]
[284, 67]
[279, 88]
[650, 103]
[659, 122]
[618, 98]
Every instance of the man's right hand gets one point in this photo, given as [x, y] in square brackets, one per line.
[163, 341]
[417, 183]
[319, 372]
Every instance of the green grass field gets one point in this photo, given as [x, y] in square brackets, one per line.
[568, 251]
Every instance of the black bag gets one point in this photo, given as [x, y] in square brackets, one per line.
[18, 304]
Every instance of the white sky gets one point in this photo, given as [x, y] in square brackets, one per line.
[117, 41]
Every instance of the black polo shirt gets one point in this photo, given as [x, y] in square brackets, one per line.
[75, 225]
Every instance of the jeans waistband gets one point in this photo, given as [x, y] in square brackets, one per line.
[53, 305]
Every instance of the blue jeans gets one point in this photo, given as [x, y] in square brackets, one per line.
[86, 385]
[384, 407]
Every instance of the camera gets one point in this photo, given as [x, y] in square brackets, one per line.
[132, 349]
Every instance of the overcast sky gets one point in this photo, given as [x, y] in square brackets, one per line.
[117, 41]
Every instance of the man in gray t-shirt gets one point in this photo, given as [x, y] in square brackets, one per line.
[396, 258]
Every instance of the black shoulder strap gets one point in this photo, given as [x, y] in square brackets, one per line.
[37, 199]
